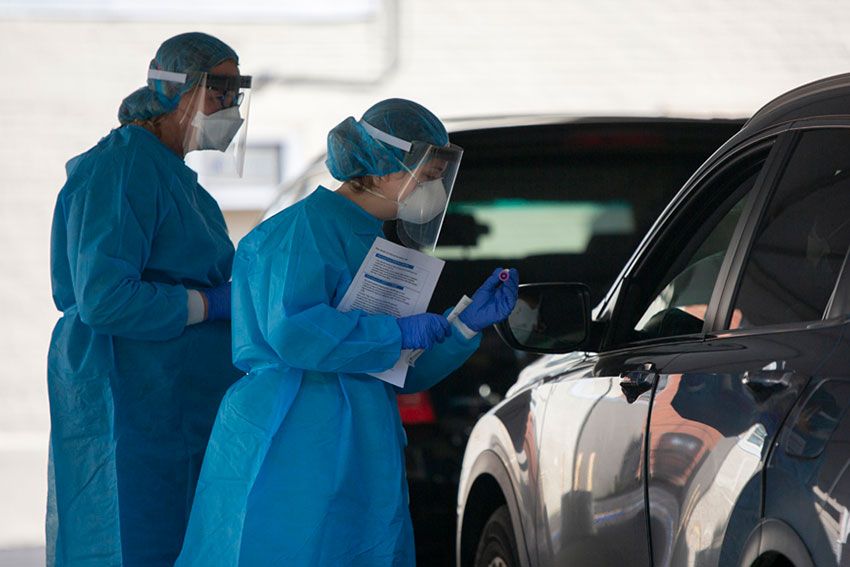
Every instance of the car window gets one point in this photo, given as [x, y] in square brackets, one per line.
[802, 238]
[670, 294]
[679, 308]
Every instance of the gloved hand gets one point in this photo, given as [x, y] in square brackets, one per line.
[493, 301]
[218, 302]
[423, 330]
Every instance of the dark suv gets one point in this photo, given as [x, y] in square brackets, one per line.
[698, 415]
[556, 197]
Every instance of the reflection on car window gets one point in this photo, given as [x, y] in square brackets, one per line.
[802, 240]
[681, 305]
[515, 228]
[690, 258]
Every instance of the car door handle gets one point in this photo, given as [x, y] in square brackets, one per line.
[767, 381]
[636, 382]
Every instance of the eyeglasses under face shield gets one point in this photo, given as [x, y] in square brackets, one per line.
[229, 90]
[215, 115]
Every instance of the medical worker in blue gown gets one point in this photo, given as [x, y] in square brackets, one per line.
[305, 464]
[140, 359]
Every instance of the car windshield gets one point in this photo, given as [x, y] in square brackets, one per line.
[515, 228]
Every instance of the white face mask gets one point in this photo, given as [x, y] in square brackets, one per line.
[424, 203]
[216, 131]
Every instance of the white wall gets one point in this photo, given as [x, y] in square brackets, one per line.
[63, 82]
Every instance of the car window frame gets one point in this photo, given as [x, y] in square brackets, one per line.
[733, 279]
[779, 148]
[838, 307]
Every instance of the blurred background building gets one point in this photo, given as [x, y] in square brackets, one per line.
[70, 62]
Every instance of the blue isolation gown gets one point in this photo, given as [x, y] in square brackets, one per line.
[305, 465]
[133, 391]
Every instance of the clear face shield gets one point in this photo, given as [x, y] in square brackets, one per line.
[214, 114]
[425, 193]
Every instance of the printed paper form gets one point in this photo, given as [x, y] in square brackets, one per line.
[393, 280]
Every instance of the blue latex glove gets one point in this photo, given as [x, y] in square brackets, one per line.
[423, 330]
[218, 302]
[493, 301]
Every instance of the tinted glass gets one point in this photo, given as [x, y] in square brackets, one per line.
[690, 257]
[802, 240]
[680, 307]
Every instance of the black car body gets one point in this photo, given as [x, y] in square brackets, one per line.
[699, 415]
[520, 181]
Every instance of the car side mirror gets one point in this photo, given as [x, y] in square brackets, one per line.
[549, 318]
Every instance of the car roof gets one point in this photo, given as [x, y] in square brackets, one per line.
[472, 123]
[495, 137]
[829, 96]
[825, 97]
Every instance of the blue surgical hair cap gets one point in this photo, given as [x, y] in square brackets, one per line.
[353, 152]
[191, 53]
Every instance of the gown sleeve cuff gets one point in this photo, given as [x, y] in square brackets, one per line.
[453, 316]
[196, 307]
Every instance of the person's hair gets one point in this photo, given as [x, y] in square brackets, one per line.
[151, 124]
[361, 184]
